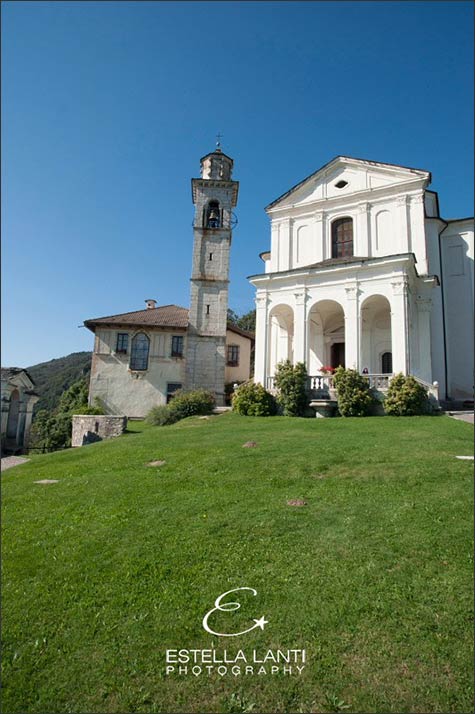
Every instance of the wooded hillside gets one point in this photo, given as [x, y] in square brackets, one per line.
[54, 377]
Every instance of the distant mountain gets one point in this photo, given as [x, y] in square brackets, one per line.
[54, 377]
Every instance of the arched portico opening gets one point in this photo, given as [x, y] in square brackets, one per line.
[281, 336]
[326, 335]
[376, 342]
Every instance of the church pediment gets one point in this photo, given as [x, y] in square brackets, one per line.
[345, 176]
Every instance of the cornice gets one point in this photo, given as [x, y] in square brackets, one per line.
[349, 268]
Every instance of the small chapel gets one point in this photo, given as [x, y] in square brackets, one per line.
[141, 358]
[364, 272]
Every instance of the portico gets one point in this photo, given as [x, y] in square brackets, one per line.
[357, 312]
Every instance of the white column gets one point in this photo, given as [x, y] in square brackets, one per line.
[399, 326]
[417, 229]
[424, 307]
[352, 327]
[300, 327]
[262, 341]
[363, 231]
[319, 237]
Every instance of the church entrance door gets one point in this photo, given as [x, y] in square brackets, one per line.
[338, 354]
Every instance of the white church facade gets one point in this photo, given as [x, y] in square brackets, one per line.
[363, 271]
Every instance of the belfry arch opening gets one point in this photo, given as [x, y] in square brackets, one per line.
[213, 215]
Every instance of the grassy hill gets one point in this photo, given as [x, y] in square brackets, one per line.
[54, 377]
[119, 561]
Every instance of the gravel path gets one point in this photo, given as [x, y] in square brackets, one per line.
[463, 417]
[9, 461]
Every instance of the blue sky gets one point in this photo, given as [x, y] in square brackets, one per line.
[108, 106]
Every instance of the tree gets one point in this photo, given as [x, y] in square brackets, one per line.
[245, 322]
[52, 431]
[248, 321]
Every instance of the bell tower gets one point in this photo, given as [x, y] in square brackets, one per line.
[214, 196]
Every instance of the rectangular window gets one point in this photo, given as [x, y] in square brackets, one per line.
[172, 387]
[122, 343]
[177, 346]
[233, 356]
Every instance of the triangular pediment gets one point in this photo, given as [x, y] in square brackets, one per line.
[344, 176]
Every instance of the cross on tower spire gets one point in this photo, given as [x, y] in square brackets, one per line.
[218, 141]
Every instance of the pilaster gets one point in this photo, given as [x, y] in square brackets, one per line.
[417, 228]
[320, 236]
[403, 237]
[363, 234]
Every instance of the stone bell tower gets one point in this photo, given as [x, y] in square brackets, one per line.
[214, 196]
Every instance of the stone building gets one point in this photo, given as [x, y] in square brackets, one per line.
[363, 271]
[141, 358]
[18, 399]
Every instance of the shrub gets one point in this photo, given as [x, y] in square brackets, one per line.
[252, 399]
[185, 404]
[354, 397]
[159, 416]
[291, 381]
[406, 397]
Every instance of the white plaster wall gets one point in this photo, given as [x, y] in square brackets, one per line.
[132, 393]
[457, 283]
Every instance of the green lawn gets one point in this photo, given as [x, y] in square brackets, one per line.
[105, 570]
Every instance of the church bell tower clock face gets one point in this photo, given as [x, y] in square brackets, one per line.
[214, 197]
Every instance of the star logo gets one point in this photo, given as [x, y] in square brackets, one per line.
[229, 607]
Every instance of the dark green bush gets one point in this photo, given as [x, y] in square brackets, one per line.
[252, 399]
[160, 416]
[406, 397]
[291, 381]
[354, 396]
[185, 404]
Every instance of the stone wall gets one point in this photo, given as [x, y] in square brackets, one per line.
[90, 428]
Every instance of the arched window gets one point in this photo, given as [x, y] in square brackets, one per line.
[139, 352]
[387, 363]
[213, 215]
[342, 238]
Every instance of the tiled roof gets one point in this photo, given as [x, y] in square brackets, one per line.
[164, 316]
[238, 331]
[338, 261]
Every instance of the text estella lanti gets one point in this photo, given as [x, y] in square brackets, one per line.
[212, 656]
